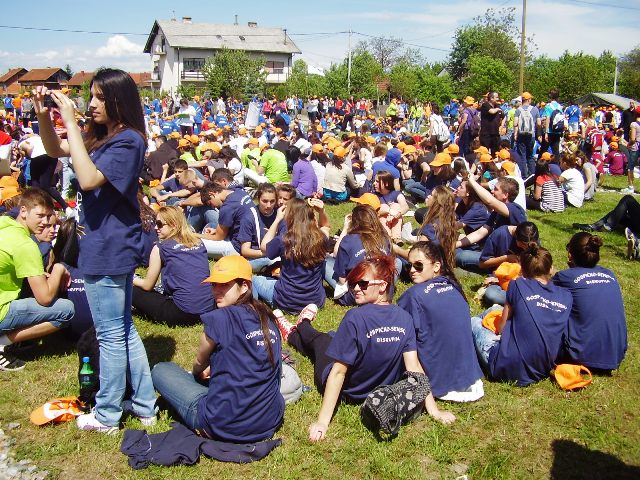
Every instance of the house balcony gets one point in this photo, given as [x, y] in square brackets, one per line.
[192, 76]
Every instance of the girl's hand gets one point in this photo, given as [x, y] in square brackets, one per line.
[65, 106]
[347, 222]
[280, 213]
[38, 99]
[317, 431]
[206, 374]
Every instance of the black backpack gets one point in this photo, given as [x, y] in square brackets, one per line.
[556, 122]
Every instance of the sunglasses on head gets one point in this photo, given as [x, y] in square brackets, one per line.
[417, 266]
[364, 284]
[159, 224]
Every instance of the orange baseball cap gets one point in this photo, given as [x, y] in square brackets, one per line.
[340, 151]
[194, 139]
[174, 135]
[8, 181]
[509, 167]
[253, 141]
[504, 154]
[409, 149]
[526, 96]
[57, 410]
[441, 159]
[546, 156]
[481, 150]
[317, 148]
[486, 158]
[242, 131]
[453, 149]
[231, 267]
[371, 140]
[368, 199]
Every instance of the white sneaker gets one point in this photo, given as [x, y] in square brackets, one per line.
[627, 190]
[148, 421]
[88, 422]
[407, 233]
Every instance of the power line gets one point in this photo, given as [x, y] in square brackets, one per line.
[407, 43]
[61, 30]
[603, 5]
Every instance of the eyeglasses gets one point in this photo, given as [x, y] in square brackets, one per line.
[417, 266]
[159, 224]
[364, 284]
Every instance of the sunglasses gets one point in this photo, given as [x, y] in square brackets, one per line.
[417, 266]
[159, 224]
[364, 284]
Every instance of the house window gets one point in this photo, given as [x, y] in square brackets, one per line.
[193, 64]
[274, 67]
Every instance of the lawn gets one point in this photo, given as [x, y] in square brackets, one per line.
[534, 432]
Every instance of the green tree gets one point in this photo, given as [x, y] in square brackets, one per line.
[434, 86]
[365, 72]
[232, 73]
[389, 52]
[404, 81]
[67, 68]
[629, 79]
[302, 83]
[489, 74]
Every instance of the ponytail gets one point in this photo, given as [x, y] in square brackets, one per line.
[585, 249]
[536, 261]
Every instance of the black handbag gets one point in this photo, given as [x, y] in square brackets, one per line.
[389, 406]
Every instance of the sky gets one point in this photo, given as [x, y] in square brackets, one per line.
[590, 26]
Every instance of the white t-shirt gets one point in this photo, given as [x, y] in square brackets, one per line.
[574, 186]
[188, 110]
[235, 167]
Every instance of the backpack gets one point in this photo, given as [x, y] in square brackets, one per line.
[441, 130]
[525, 121]
[473, 122]
[556, 121]
[595, 138]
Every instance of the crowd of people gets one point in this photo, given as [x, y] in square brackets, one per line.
[171, 185]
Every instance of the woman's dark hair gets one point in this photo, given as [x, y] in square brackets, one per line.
[382, 267]
[536, 261]
[228, 153]
[542, 168]
[265, 316]
[122, 105]
[584, 249]
[67, 248]
[459, 166]
[385, 179]
[304, 242]
[293, 154]
[147, 214]
[445, 173]
[435, 108]
[321, 158]
[265, 188]
[527, 232]
[435, 253]
[568, 159]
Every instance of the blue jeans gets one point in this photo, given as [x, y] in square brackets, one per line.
[416, 189]
[200, 216]
[122, 354]
[331, 195]
[181, 390]
[259, 264]
[26, 312]
[329, 265]
[468, 260]
[524, 147]
[263, 288]
[483, 338]
[495, 295]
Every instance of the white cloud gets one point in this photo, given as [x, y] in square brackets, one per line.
[119, 46]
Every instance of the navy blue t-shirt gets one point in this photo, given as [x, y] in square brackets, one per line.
[110, 214]
[500, 242]
[517, 215]
[183, 270]
[297, 286]
[474, 217]
[429, 230]
[533, 336]
[149, 239]
[82, 319]
[432, 181]
[244, 403]
[249, 232]
[443, 333]
[597, 333]
[234, 207]
[383, 165]
[370, 341]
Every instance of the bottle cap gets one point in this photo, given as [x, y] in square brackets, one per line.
[85, 359]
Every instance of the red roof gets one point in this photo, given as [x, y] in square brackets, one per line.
[39, 74]
[142, 79]
[11, 73]
[80, 78]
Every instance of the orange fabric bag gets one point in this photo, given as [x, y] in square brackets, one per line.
[506, 272]
[572, 377]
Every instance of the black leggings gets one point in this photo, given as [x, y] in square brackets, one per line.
[625, 214]
[160, 308]
[313, 345]
[43, 169]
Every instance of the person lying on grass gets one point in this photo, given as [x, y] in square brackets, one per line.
[375, 343]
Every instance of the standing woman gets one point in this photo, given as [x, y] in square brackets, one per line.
[107, 163]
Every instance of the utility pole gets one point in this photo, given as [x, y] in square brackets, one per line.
[522, 46]
[615, 79]
[349, 67]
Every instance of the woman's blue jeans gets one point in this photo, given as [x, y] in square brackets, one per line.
[181, 390]
[122, 355]
[483, 338]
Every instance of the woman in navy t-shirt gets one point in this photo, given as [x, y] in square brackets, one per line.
[107, 162]
[529, 334]
[301, 244]
[393, 205]
[254, 225]
[442, 320]
[375, 343]
[597, 333]
[232, 393]
[182, 259]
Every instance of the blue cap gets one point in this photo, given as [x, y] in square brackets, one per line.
[555, 169]
[85, 359]
[393, 156]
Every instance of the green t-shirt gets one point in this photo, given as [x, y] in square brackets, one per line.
[274, 163]
[510, 118]
[19, 258]
[187, 157]
[244, 157]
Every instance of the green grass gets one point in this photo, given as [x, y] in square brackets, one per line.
[534, 432]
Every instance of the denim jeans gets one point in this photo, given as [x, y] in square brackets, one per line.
[524, 147]
[483, 338]
[495, 295]
[468, 260]
[219, 248]
[122, 355]
[200, 216]
[263, 288]
[26, 312]
[181, 390]
[259, 264]
[329, 265]
[416, 189]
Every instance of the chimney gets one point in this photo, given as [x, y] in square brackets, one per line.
[236, 21]
[186, 20]
[252, 24]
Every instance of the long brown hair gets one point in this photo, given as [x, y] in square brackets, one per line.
[122, 105]
[180, 230]
[304, 242]
[435, 253]
[536, 261]
[442, 215]
[365, 223]
[265, 316]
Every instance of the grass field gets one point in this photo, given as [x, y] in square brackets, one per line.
[529, 433]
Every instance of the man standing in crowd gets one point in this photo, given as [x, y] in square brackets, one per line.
[553, 124]
[490, 120]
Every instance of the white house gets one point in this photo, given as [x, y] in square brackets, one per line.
[179, 50]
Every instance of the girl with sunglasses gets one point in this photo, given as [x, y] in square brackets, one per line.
[375, 343]
[181, 258]
[442, 321]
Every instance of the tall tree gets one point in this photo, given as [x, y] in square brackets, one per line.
[489, 74]
[67, 68]
[389, 51]
[232, 73]
[365, 72]
[629, 80]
